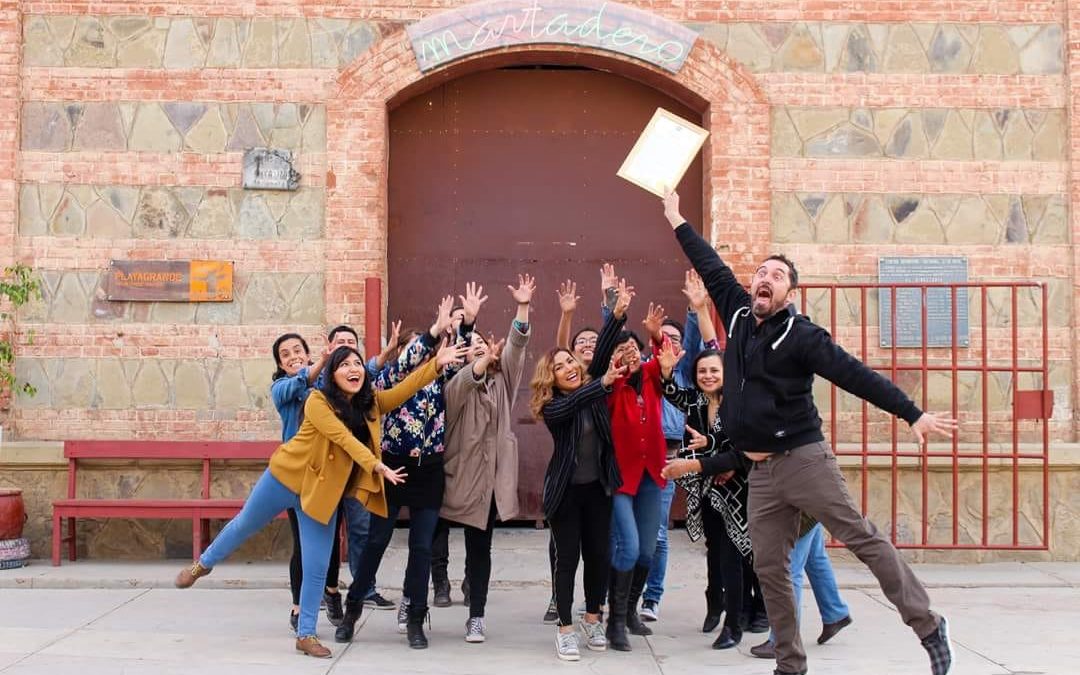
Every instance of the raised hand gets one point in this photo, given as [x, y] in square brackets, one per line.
[523, 293]
[654, 318]
[395, 334]
[694, 290]
[614, 372]
[568, 297]
[471, 302]
[671, 209]
[495, 348]
[668, 358]
[608, 278]
[930, 423]
[442, 317]
[625, 294]
[450, 354]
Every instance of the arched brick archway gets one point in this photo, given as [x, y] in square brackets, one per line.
[736, 155]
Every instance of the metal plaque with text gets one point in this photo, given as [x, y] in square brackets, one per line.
[266, 169]
[169, 281]
[939, 317]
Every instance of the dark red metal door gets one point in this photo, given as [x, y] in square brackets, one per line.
[513, 170]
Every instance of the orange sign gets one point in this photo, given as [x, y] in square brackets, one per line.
[170, 281]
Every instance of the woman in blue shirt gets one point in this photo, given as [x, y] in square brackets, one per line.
[293, 379]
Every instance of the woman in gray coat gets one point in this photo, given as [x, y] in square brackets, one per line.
[481, 461]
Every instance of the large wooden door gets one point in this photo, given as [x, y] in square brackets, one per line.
[513, 170]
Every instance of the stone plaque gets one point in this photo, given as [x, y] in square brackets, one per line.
[170, 281]
[462, 31]
[928, 270]
[266, 169]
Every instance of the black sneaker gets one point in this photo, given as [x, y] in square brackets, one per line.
[441, 597]
[294, 619]
[334, 612]
[376, 601]
[939, 647]
[551, 616]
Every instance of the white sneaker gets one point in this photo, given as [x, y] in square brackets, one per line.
[594, 635]
[403, 615]
[474, 629]
[650, 610]
[566, 647]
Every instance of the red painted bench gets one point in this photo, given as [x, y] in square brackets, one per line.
[201, 510]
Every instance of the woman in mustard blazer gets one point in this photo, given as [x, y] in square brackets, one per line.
[335, 451]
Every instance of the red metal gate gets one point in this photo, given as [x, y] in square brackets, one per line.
[948, 494]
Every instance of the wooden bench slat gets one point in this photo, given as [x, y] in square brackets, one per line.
[154, 450]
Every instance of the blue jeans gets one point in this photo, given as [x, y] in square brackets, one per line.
[269, 498]
[654, 586]
[809, 554]
[635, 520]
[358, 524]
[422, 524]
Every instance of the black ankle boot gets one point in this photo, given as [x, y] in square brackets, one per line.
[728, 638]
[617, 599]
[714, 607]
[347, 627]
[637, 585]
[414, 629]
[333, 608]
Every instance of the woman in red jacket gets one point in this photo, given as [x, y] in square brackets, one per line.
[640, 451]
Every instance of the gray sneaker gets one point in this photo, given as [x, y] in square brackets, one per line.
[566, 646]
[594, 635]
[474, 629]
[403, 615]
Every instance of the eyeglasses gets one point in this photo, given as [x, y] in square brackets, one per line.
[585, 342]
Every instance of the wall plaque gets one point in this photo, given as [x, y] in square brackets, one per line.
[929, 270]
[266, 169]
[462, 31]
[170, 280]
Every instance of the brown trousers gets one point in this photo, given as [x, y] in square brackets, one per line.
[808, 479]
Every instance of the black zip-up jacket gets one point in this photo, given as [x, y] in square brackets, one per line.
[769, 368]
[562, 415]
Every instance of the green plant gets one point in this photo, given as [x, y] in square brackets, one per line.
[18, 286]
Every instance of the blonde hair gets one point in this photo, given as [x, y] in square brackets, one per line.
[543, 380]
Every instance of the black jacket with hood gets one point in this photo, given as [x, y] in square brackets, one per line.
[769, 367]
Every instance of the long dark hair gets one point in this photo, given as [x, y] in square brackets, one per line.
[280, 372]
[355, 413]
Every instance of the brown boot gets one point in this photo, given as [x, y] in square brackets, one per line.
[311, 646]
[188, 575]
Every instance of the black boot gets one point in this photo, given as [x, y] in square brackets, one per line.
[617, 607]
[347, 627]
[714, 607]
[637, 585]
[414, 629]
[728, 638]
[333, 608]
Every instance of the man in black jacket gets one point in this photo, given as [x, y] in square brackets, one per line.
[772, 356]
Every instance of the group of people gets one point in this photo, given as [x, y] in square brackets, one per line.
[426, 425]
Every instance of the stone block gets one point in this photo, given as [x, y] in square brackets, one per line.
[150, 387]
[44, 126]
[955, 140]
[183, 46]
[870, 220]
[904, 52]
[357, 39]
[260, 45]
[313, 137]
[262, 302]
[70, 217]
[215, 216]
[812, 122]
[294, 46]
[230, 390]
[1018, 138]
[858, 54]
[307, 303]
[1052, 227]
[31, 221]
[93, 46]
[801, 52]
[160, 214]
[145, 51]
[100, 128]
[255, 221]
[305, 215]
[191, 385]
[40, 48]
[172, 313]
[746, 46]
[844, 141]
[949, 51]
[224, 45]
[1049, 142]
[208, 135]
[1044, 54]
[127, 27]
[73, 384]
[152, 131]
[113, 386]
[995, 54]
[103, 221]
[122, 198]
[245, 132]
[790, 222]
[831, 225]
[987, 139]
[973, 224]
[183, 115]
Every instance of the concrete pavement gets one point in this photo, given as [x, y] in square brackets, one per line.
[99, 617]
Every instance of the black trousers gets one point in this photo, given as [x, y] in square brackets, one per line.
[478, 562]
[581, 528]
[727, 567]
[440, 552]
[296, 567]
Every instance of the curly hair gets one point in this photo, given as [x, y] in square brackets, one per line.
[543, 380]
[280, 372]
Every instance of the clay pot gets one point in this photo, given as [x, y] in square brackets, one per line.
[12, 513]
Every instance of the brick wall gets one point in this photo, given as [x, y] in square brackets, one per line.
[840, 134]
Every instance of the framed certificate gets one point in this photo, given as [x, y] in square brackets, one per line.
[662, 152]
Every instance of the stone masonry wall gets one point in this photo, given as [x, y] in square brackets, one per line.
[841, 132]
